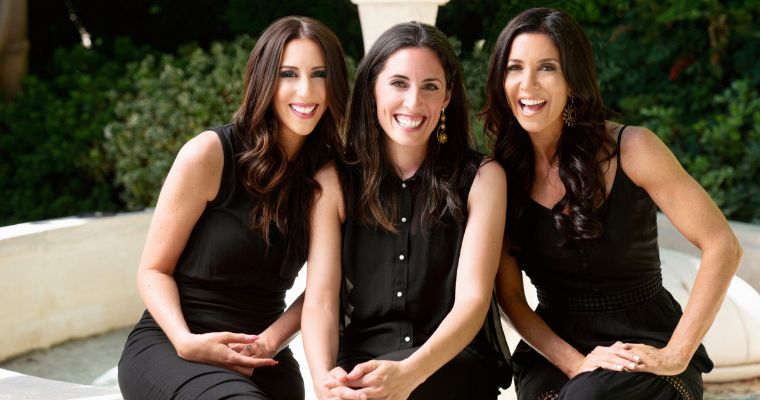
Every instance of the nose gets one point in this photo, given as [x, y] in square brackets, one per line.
[412, 98]
[528, 79]
[304, 87]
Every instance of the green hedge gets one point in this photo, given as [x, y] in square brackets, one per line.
[101, 134]
[52, 162]
[170, 99]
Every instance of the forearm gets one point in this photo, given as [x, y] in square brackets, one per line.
[320, 340]
[161, 297]
[534, 331]
[282, 331]
[717, 268]
[454, 333]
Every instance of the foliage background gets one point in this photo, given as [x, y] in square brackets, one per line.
[97, 129]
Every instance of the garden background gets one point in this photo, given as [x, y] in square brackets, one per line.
[96, 129]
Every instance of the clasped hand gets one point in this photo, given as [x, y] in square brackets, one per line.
[374, 379]
[634, 357]
[238, 352]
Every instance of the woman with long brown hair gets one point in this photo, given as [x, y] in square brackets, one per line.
[583, 197]
[231, 230]
[409, 226]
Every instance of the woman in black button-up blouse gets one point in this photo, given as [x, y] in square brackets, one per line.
[406, 237]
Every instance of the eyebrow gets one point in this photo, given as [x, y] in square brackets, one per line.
[542, 60]
[292, 67]
[407, 78]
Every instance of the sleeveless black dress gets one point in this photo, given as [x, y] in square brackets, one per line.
[229, 279]
[399, 287]
[596, 292]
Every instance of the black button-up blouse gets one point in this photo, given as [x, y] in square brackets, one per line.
[398, 288]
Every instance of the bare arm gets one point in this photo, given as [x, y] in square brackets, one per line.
[192, 181]
[649, 163]
[276, 336]
[476, 271]
[530, 326]
[319, 320]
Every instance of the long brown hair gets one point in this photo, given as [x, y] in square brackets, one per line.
[579, 147]
[370, 196]
[283, 191]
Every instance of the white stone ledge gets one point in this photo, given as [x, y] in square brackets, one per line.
[24, 387]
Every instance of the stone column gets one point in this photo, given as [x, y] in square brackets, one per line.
[376, 16]
[14, 46]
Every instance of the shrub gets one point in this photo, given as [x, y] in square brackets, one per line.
[169, 100]
[51, 159]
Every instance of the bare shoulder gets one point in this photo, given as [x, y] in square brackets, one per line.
[199, 165]
[490, 183]
[644, 157]
[490, 171]
[327, 177]
[204, 150]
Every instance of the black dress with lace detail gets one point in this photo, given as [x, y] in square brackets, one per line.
[599, 291]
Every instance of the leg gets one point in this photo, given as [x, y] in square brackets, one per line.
[538, 379]
[150, 369]
[282, 381]
[606, 384]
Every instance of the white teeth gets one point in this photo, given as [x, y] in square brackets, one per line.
[409, 122]
[304, 110]
[532, 102]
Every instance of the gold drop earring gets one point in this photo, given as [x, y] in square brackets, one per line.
[442, 136]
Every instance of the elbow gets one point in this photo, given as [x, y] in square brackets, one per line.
[735, 252]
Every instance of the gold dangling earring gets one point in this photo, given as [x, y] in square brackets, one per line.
[442, 136]
[568, 114]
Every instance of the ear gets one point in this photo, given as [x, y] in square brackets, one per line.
[447, 99]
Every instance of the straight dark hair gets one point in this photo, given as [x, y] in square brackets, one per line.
[370, 197]
[283, 191]
[581, 149]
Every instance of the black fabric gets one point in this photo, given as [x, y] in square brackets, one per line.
[228, 279]
[466, 376]
[399, 287]
[625, 259]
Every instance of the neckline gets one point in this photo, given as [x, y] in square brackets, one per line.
[604, 203]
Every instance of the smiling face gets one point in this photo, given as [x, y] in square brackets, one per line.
[535, 85]
[300, 97]
[410, 92]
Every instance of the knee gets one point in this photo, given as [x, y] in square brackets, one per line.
[586, 387]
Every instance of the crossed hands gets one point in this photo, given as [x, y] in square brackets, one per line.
[374, 379]
[236, 351]
[635, 357]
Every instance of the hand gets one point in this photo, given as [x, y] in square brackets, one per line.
[617, 357]
[214, 349]
[390, 380]
[261, 348]
[333, 387]
[664, 361]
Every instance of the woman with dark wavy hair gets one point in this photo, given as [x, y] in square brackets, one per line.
[407, 234]
[583, 196]
[231, 230]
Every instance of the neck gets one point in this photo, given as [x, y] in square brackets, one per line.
[544, 145]
[291, 143]
[405, 160]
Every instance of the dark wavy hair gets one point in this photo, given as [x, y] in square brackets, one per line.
[282, 190]
[370, 196]
[581, 149]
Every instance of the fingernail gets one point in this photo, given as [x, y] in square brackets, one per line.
[632, 365]
[251, 337]
[620, 367]
[637, 358]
